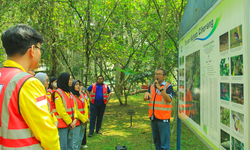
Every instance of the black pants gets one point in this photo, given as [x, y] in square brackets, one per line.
[96, 113]
[84, 140]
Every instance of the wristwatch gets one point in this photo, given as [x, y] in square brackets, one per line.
[161, 90]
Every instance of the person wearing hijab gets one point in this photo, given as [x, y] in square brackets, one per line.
[53, 84]
[82, 119]
[65, 111]
[45, 81]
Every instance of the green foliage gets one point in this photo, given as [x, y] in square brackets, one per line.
[225, 116]
[224, 67]
[237, 65]
[99, 35]
[236, 144]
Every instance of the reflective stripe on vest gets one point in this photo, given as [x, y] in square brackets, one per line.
[83, 97]
[162, 109]
[68, 104]
[49, 106]
[85, 102]
[50, 91]
[104, 91]
[80, 106]
[52, 103]
[14, 132]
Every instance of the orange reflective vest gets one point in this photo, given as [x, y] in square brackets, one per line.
[68, 104]
[158, 105]
[80, 105]
[104, 90]
[86, 102]
[50, 101]
[189, 106]
[15, 133]
[50, 91]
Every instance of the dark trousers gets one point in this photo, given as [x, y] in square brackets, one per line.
[96, 112]
[161, 134]
[84, 140]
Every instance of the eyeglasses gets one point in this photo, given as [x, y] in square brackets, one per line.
[41, 50]
[158, 74]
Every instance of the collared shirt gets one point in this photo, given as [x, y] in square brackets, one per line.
[99, 93]
[35, 115]
[169, 89]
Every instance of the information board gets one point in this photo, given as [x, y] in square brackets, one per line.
[214, 61]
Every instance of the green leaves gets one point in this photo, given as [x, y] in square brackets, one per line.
[127, 71]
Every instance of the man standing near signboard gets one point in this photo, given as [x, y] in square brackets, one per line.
[160, 97]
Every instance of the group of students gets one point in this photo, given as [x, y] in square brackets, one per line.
[68, 106]
[31, 118]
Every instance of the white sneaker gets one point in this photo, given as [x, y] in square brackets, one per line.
[84, 146]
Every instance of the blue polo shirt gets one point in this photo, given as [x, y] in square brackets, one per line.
[98, 94]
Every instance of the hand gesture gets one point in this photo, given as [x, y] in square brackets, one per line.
[157, 85]
[73, 124]
[85, 122]
[56, 124]
[146, 96]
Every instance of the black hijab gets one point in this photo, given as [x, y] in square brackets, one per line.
[72, 88]
[52, 79]
[63, 82]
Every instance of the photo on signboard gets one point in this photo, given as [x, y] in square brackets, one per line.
[181, 103]
[225, 116]
[181, 84]
[237, 93]
[237, 122]
[236, 37]
[182, 72]
[224, 42]
[182, 96]
[224, 66]
[225, 91]
[192, 78]
[236, 144]
[237, 65]
[181, 60]
[225, 140]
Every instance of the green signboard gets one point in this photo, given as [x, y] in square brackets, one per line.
[214, 76]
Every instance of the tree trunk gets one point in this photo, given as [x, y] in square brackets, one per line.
[72, 60]
[117, 83]
[163, 28]
[87, 46]
[54, 59]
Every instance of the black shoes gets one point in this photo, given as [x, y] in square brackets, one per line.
[90, 135]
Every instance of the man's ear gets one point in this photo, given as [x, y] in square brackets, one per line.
[32, 51]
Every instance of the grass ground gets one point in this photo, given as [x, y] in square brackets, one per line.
[117, 129]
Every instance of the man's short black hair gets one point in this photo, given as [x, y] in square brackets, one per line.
[164, 71]
[18, 39]
[100, 76]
